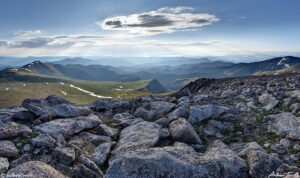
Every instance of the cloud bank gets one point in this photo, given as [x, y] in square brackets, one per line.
[163, 20]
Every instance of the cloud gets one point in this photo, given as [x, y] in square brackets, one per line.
[27, 33]
[164, 20]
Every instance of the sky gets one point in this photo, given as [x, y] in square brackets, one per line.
[149, 28]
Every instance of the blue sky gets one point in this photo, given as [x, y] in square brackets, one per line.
[149, 28]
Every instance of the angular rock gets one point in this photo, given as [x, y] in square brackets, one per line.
[68, 127]
[200, 113]
[43, 140]
[138, 136]
[54, 106]
[161, 108]
[8, 149]
[178, 161]
[126, 119]
[12, 129]
[144, 114]
[295, 107]
[163, 122]
[91, 165]
[3, 164]
[101, 153]
[85, 137]
[249, 147]
[65, 155]
[262, 164]
[182, 111]
[268, 100]
[112, 107]
[81, 171]
[285, 124]
[35, 169]
[106, 131]
[181, 130]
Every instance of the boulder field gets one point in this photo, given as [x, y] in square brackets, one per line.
[227, 128]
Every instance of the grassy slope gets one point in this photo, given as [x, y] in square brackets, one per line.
[40, 89]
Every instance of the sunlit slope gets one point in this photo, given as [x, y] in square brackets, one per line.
[16, 86]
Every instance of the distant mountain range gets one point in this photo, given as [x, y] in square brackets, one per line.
[171, 76]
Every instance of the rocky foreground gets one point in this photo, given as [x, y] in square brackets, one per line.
[239, 127]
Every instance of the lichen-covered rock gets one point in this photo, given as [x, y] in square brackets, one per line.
[200, 113]
[54, 106]
[144, 114]
[12, 129]
[106, 131]
[81, 171]
[69, 126]
[34, 169]
[178, 161]
[22, 159]
[91, 165]
[141, 135]
[285, 124]
[4, 164]
[262, 164]
[126, 119]
[161, 108]
[43, 140]
[65, 155]
[268, 100]
[101, 153]
[182, 111]
[181, 130]
[8, 149]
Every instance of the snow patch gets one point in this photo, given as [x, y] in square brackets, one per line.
[64, 93]
[282, 62]
[24, 84]
[90, 93]
[62, 83]
[7, 89]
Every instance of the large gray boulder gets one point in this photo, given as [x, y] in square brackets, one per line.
[112, 107]
[69, 126]
[268, 100]
[161, 108]
[35, 169]
[182, 111]
[143, 113]
[200, 113]
[179, 160]
[12, 129]
[285, 124]
[262, 164]
[54, 106]
[181, 130]
[8, 149]
[141, 135]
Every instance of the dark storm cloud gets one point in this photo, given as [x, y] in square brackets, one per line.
[114, 24]
[200, 21]
[148, 20]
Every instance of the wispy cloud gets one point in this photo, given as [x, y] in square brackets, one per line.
[27, 33]
[164, 20]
